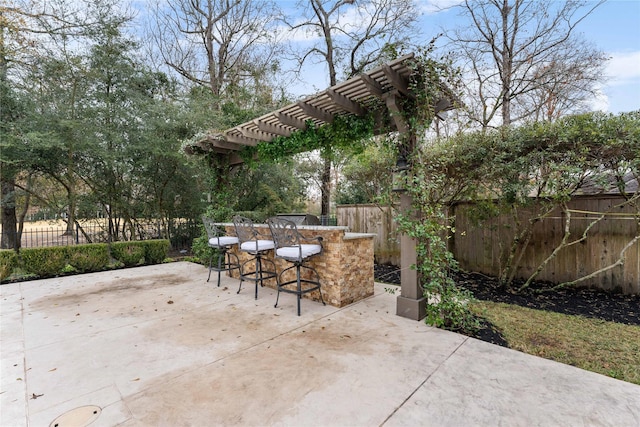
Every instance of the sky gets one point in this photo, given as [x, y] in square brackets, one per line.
[614, 28]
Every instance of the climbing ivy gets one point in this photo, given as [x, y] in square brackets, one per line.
[344, 132]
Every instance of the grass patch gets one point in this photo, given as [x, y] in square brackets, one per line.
[608, 348]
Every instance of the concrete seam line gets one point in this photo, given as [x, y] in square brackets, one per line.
[423, 382]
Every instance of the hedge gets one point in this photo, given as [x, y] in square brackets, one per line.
[8, 261]
[92, 257]
[57, 260]
[128, 253]
[44, 262]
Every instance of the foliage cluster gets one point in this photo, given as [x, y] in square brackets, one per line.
[367, 175]
[447, 304]
[346, 131]
[89, 129]
[539, 166]
[53, 261]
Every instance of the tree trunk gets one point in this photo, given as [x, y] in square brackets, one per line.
[10, 238]
[326, 186]
[507, 62]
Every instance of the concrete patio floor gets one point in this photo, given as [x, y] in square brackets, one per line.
[158, 346]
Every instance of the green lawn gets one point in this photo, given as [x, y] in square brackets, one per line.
[608, 348]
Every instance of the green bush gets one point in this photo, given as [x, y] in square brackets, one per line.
[200, 248]
[155, 251]
[8, 261]
[129, 253]
[53, 261]
[44, 262]
[86, 258]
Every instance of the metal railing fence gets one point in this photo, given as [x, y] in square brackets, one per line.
[180, 234]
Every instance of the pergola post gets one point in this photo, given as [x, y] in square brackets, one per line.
[411, 302]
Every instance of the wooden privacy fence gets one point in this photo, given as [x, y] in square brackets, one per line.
[484, 248]
[373, 219]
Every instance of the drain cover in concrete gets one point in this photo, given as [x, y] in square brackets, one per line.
[78, 417]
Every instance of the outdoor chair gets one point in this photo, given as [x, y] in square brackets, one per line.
[256, 244]
[296, 249]
[221, 243]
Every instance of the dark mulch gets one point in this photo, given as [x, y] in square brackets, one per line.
[610, 306]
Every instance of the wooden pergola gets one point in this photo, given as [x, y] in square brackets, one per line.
[387, 86]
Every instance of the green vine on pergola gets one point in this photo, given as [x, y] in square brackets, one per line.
[346, 131]
[431, 81]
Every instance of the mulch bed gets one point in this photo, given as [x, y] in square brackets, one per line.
[594, 303]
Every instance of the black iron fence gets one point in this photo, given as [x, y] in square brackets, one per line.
[179, 233]
[328, 220]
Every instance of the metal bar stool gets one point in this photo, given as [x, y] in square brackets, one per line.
[290, 247]
[254, 243]
[227, 261]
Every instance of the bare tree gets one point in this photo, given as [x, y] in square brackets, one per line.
[526, 59]
[351, 36]
[217, 44]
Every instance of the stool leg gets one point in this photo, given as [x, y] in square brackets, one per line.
[258, 273]
[241, 278]
[299, 287]
[221, 256]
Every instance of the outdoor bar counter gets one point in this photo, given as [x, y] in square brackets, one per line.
[345, 264]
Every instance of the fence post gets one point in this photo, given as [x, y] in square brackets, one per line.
[77, 233]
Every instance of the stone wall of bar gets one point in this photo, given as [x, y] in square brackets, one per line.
[345, 265]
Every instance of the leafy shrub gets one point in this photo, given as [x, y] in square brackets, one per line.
[155, 251]
[8, 261]
[44, 262]
[448, 308]
[129, 253]
[200, 248]
[92, 257]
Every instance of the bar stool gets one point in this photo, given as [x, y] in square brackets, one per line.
[222, 244]
[290, 247]
[256, 244]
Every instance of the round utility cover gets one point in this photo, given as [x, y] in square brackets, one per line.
[78, 417]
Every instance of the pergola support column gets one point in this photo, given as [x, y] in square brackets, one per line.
[411, 303]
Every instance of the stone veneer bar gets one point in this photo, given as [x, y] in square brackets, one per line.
[345, 265]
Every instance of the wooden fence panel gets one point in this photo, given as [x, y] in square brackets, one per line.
[373, 219]
[600, 249]
[484, 248]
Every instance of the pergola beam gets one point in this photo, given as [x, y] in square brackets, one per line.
[372, 86]
[288, 120]
[397, 81]
[346, 103]
[315, 112]
[224, 145]
[257, 136]
[242, 140]
[272, 129]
